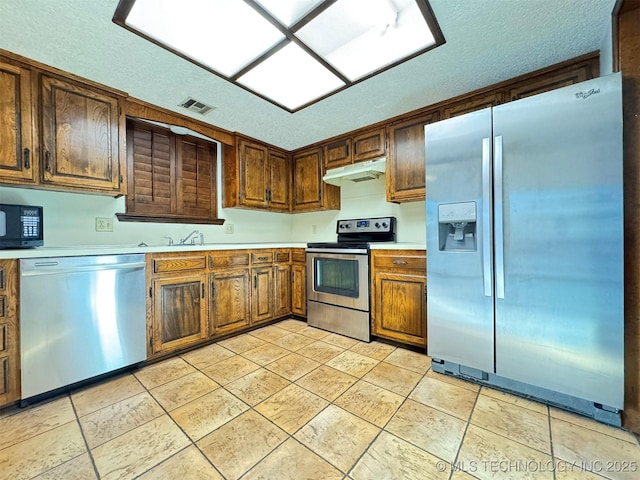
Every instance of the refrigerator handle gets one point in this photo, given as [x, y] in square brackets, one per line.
[487, 272]
[499, 217]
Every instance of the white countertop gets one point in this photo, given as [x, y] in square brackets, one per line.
[398, 246]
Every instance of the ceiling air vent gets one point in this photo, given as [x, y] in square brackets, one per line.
[196, 106]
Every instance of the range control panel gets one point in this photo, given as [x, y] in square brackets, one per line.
[367, 225]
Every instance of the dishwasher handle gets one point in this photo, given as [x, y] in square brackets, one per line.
[53, 268]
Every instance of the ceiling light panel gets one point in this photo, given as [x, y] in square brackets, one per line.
[291, 77]
[364, 39]
[224, 35]
[289, 12]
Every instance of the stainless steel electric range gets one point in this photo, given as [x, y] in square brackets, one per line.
[338, 292]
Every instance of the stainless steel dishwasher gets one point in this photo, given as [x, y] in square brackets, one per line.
[79, 317]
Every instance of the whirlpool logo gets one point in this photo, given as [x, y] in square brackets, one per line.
[588, 93]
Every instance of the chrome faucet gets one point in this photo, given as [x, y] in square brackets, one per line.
[183, 241]
[170, 240]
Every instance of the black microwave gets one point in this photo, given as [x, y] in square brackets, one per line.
[20, 226]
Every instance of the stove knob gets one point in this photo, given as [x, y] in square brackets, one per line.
[377, 225]
[348, 225]
[384, 225]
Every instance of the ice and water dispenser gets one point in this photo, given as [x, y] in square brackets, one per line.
[457, 227]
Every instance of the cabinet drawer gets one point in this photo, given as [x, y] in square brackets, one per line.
[298, 256]
[261, 258]
[282, 256]
[179, 264]
[400, 262]
[228, 259]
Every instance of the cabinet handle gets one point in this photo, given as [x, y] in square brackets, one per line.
[355, 148]
[347, 149]
[150, 292]
[255, 281]
[47, 159]
[202, 285]
[264, 259]
[27, 161]
[213, 289]
[400, 262]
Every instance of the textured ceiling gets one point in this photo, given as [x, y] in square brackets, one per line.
[487, 41]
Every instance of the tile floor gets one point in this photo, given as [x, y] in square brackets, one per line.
[290, 401]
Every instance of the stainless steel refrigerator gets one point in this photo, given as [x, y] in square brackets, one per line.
[525, 249]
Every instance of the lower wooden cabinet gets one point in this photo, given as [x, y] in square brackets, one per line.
[399, 304]
[282, 290]
[262, 294]
[9, 333]
[299, 282]
[229, 308]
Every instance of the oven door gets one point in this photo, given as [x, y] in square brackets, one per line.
[339, 277]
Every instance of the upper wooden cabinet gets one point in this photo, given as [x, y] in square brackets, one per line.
[310, 193]
[79, 136]
[406, 160]
[59, 132]
[172, 177]
[256, 176]
[357, 148]
[17, 162]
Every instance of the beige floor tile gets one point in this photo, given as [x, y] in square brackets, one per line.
[292, 461]
[291, 407]
[112, 421]
[35, 420]
[338, 436]
[293, 366]
[432, 430]
[257, 386]
[327, 382]
[313, 332]
[230, 369]
[269, 333]
[163, 372]
[78, 468]
[516, 400]
[105, 393]
[183, 390]
[377, 350]
[414, 361]
[321, 351]
[352, 363]
[238, 445]
[592, 425]
[135, 452]
[489, 456]
[595, 451]
[293, 341]
[513, 421]
[444, 396]
[459, 475]
[205, 414]
[42, 452]
[339, 340]
[266, 354]
[189, 464]
[241, 343]
[396, 379]
[292, 325]
[474, 387]
[392, 457]
[208, 355]
[368, 401]
[571, 471]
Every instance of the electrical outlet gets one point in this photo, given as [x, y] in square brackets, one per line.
[314, 228]
[104, 224]
[228, 228]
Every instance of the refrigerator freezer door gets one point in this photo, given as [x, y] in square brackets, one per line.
[459, 279]
[560, 324]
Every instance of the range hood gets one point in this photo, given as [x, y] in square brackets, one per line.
[358, 172]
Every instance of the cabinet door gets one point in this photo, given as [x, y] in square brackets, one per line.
[16, 142]
[229, 305]
[180, 313]
[150, 154]
[477, 102]
[262, 294]
[80, 136]
[369, 145]
[406, 160]
[280, 181]
[299, 289]
[196, 179]
[254, 174]
[282, 290]
[310, 193]
[400, 308]
[338, 153]
[9, 340]
[545, 83]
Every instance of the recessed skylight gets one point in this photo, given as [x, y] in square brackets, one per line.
[292, 53]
